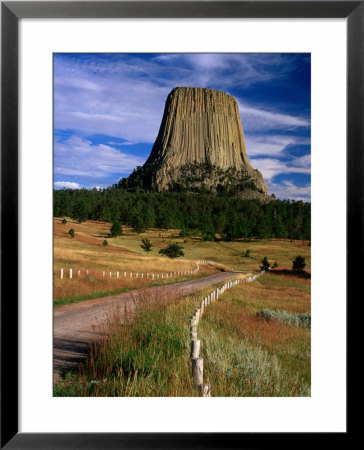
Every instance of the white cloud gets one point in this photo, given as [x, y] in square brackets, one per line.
[67, 185]
[254, 119]
[270, 167]
[121, 143]
[288, 190]
[125, 97]
[271, 145]
[79, 157]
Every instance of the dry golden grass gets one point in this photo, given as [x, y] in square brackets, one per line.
[227, 253]
[95, 285]
[86, 252]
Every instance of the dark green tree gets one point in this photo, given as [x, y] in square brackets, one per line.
[71, 232]
[139, 225]
[80, 210]
[173, 250]
[105, 243]
[116, 229]
[299, 264]
[64, 221]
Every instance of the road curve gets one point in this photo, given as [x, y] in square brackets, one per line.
[78, 324]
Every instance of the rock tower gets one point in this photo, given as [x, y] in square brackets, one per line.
[200, 141]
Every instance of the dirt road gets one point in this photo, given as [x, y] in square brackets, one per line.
[76, 325]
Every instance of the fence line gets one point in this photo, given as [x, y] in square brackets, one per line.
[196, 360]
[154, 276]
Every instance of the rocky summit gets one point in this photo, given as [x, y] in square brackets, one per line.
[201, 146]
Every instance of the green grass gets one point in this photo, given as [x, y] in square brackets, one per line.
[79, 298]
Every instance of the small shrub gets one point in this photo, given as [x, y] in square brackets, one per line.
[146, 245]
[64, 221]
[105, 243]
[299, 320]
[265, 264]
[275, 265]
[247, 254]
[71, 232]
[299, 263]
[173, 250]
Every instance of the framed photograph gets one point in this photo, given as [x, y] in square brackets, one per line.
[101, 211]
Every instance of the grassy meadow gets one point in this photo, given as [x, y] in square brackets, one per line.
[86, 252]
[244, 354]
[123, 253]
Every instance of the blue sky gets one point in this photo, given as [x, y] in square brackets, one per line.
[108, 109]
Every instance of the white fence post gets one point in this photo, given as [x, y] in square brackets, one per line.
[197, 370]
[205, 390]
[61, 273]
[70, 273]
[195, 348]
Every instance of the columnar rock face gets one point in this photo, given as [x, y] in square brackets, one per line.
[200, 126]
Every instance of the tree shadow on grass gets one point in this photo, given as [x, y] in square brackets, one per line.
[296, 273]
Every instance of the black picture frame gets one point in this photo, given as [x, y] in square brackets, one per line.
[11, 12]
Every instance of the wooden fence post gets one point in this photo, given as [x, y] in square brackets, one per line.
[117, 274]
[205, 390]
[61, 273]
[197, 370]
[195, 348]
[70, 273]
[193, 332]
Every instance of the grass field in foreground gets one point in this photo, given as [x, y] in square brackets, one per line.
[244, 354]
